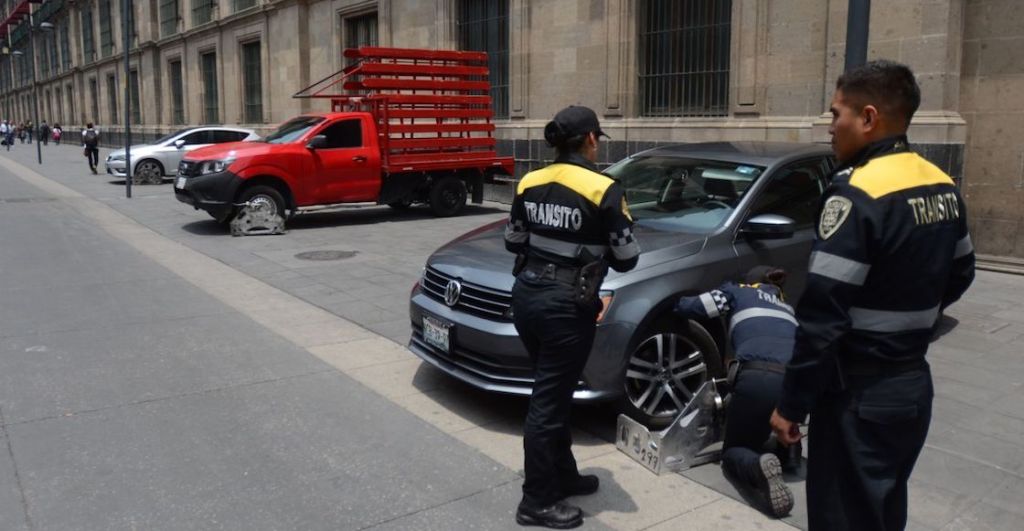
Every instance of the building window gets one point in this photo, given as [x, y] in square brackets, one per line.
[106, 35]
[483, 26]
[243, 4]
[361, 31]
[177, 97]
[65, 47]
[168, 17]
[51, 44]
[48, 106]
[112, 97]
[208, 66]
[202, 11]
[88, 47]
[252, 82]
[44, 58]
[69, 91]
[94, 98]
[58, 95]
[684, 57]
[133, 90]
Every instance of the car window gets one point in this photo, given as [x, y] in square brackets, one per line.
[169, 137]
[220, 137]
[685, 194]
[793, 191]
[344, 134]
[198, 137]
[238, 136]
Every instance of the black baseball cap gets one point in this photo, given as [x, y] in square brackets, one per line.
[578, 120]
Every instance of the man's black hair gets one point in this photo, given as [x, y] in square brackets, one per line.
[888, 85]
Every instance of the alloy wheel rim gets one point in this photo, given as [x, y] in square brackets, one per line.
[663, 374]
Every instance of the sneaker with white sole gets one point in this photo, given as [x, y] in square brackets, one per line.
[775, 494]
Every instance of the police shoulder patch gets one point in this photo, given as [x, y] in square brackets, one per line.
[833, 214]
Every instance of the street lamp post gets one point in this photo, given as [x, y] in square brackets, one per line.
[35, 98]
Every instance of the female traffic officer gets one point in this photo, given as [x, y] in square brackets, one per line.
[568, 224]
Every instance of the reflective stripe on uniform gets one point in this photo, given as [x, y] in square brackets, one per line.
[892, 321]
[743, 315]
[964, 247]
[515, 232]
[564, 248]
[839, 268]
[710, 307]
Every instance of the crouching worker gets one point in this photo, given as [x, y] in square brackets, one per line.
[762, 329]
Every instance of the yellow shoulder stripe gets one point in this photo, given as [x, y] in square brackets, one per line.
[588, 184]
[894, 173]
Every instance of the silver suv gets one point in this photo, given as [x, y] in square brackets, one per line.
[151, 163]
[704, 214]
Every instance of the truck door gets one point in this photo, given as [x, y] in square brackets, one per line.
[347, 168]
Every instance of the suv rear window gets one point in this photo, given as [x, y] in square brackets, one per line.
[691, 195]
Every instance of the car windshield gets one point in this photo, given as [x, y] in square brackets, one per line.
[172, 135]
[682, 194]
[292, 129]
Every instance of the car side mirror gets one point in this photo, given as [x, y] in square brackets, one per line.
[179, 143]
[317, 142]
[768, 227]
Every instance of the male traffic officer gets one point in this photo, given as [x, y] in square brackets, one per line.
[762, 327]
[567, 221]
[892, 251]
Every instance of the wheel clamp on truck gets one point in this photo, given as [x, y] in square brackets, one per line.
[411, 126]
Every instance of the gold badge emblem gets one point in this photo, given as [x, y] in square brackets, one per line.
[834, 213]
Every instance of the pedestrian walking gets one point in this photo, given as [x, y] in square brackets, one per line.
[29, 130]
[44, 133]
[57, 132]
[6, 134]
[21, 132]
[91, 142]
[561, 261]
[762, 329]
[892, 251]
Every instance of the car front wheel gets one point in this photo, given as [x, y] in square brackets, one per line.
[670, 362]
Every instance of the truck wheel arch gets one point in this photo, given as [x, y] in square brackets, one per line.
[274, 182]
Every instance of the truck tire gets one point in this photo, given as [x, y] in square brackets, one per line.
[264, 193]
[672, 358]
[447, 196]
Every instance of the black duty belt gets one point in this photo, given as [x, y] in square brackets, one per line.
[767, 366]
[548, 270]
[865, 366]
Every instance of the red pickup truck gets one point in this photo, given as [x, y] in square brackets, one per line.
[414, 127]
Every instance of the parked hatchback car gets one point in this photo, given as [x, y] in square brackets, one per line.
[151, 163]
[704, 213]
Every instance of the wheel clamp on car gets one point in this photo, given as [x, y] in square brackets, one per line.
[432, 107]
[692, 438]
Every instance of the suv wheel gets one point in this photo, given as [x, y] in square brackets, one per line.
[672, 359]
[447, 196]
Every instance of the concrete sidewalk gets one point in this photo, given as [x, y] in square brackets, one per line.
[969, 476]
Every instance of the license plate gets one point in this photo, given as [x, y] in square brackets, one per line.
[180, 183]
[435, 333]
[635, 440]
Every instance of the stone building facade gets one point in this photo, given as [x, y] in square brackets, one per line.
[657, 71]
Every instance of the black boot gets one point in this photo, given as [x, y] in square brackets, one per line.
[560, 515]
[771, 490]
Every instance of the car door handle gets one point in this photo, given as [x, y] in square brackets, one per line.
[358, 158]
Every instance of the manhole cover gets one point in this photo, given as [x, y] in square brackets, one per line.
[325, 256]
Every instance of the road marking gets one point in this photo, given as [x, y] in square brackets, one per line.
[632, 497]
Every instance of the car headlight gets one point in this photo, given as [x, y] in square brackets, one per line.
[214, 166]
[115, 158]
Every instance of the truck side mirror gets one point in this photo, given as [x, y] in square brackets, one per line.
[768, 227]
[317, 142]
[179, 143]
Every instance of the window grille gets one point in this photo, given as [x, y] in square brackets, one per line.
[684, 57]
[202, 11]
[112, 98]
[168, 17]
[177, 96]
[106, 34]
[208, 64]
[252, 82]
[244, 4]
[483, 26]
[88, 46]
[133, 90]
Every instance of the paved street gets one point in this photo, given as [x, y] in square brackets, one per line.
[157, 373]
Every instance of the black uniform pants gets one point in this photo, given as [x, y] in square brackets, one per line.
[557, 335]
[862, 446]
[754, 395]
[93, 155]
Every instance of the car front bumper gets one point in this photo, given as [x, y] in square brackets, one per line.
[115, 167]
[489, 354]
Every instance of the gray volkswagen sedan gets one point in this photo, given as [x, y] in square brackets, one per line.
[704, 213]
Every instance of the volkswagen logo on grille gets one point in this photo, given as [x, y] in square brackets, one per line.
[452, 292]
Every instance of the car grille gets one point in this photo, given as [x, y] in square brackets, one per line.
[188, 169]
[476, 300]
